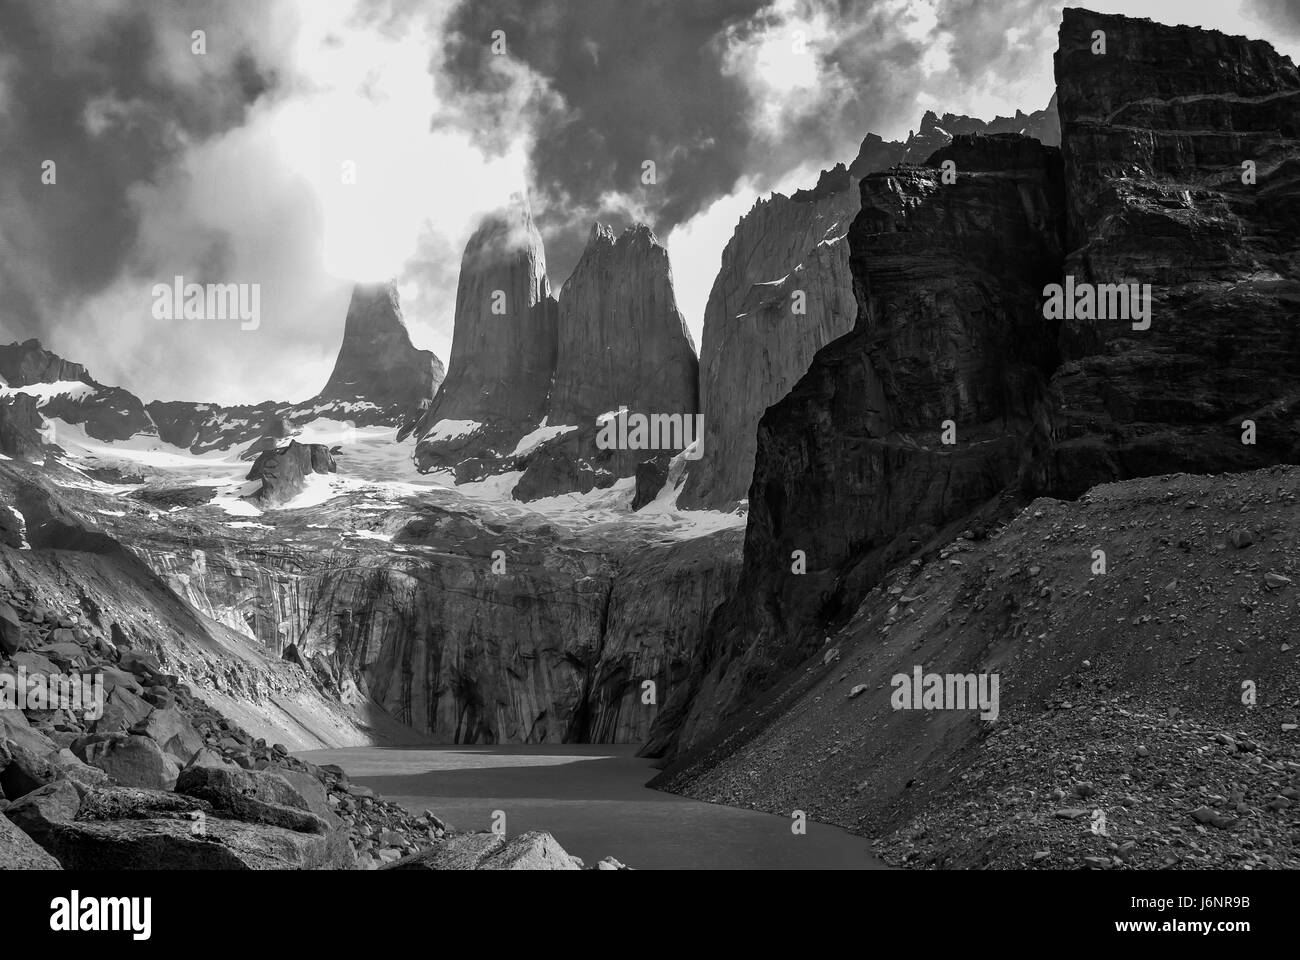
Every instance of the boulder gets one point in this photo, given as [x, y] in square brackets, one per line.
[311, 794]
[141, 664]
[257, 796]
[25, 771]
[534, 850]
[135, 761]
[171, 730]
[14, 726]
[11, 631]
[109, 803]
[651, 475]
[38, 811]
[20, 852]
[211, 844]
[122, 711]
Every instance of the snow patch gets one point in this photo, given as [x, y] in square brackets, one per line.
[45, 392]
[451, 429]
[22, 529]
[531, 441]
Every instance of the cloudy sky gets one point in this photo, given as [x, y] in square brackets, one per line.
[227, 165]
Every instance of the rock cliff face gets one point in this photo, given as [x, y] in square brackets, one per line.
[377, 363]
[784, 290]
[548, 641]
[622, 340]
[933, 405]
[953, 283]
[1154, 153]
[502, 351]
[528, 382]
[622, 343]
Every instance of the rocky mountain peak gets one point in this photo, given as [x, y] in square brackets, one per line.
[503, 345]
[622, 340]
[600, 233]
[28, 363]
[377, 361]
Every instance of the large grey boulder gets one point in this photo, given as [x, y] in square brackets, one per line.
[212, 844]
[534, 850]
[20, 852]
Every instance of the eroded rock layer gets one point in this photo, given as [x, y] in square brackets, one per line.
[1155, 133]
[784, 290]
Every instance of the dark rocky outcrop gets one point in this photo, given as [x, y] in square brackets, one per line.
[1154, 135]
[951, 281]
[755, 344]
[284, 471]
[105, 413]
[852, 467]
[20, 428]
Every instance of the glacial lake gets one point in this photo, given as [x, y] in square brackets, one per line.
[593, 799]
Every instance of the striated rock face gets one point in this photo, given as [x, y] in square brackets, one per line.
[784, 290]
[757, 339]
[1154, 135]
[502, 352]
[550, 645]
[622, 340]
[377, 362]
[852, 467]
[622, 343]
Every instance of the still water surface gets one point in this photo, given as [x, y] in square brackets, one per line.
[592, 798]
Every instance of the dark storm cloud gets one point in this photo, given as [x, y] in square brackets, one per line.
[86, 85]
[221, 167]
[642, 82]
[659, 81]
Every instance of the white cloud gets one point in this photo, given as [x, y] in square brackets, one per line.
[266, 202]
